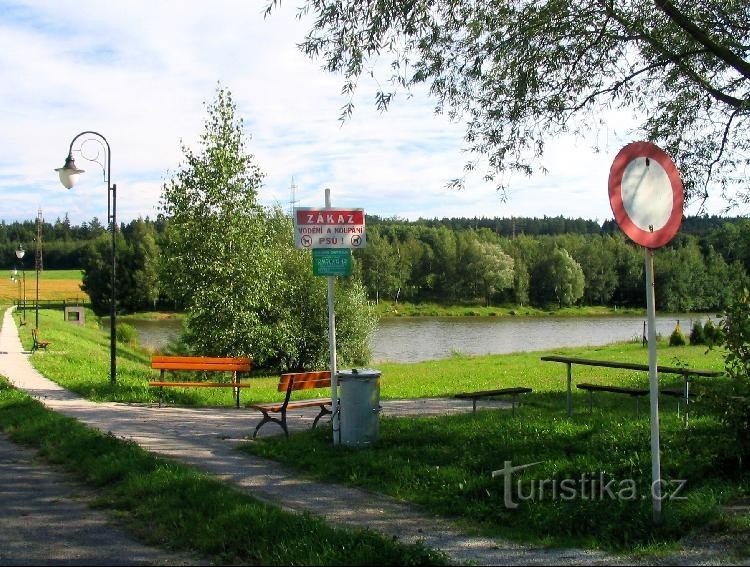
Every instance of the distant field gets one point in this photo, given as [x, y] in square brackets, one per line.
[53, 284]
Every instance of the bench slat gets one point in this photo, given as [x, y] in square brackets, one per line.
[305, 380]
[613, 389]
[292, 405]
[201, 384]
[204, 363]
[489, 393]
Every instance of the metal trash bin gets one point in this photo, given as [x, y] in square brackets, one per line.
[359, 406]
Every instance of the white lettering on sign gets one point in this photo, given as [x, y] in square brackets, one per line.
[333, 228]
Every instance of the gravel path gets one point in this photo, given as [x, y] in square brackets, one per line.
[47, 519]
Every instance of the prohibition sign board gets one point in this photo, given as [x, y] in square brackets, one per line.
[646, 194]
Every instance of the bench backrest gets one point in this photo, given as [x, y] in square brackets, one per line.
[237, 364]
[305, 380]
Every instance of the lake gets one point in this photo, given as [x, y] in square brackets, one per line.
[413, 339]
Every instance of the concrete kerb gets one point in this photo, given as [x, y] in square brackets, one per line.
[207, 438]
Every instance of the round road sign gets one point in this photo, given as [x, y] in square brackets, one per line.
[646, 194]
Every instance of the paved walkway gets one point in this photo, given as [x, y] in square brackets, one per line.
[206, 438]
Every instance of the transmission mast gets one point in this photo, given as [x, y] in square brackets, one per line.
[292, 198]
[38, 261]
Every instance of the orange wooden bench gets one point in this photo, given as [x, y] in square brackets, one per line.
[235, 365]
[295, 381]
[38, 343]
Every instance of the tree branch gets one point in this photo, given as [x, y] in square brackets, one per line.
[726, 55]
[679, 62]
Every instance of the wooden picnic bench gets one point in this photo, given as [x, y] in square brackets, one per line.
[235, 365]
[288, 383]
[513, 392]
[636, 393]
[38, 343]
[686, 373]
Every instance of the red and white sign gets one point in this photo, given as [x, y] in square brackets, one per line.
[329, 228]
[646, 194]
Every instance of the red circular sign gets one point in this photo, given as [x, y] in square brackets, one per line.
[646, 194]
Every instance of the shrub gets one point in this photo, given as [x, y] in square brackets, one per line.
[712, 333]
[677, 338]
[697, 335]
[735, 337]
[126, 334]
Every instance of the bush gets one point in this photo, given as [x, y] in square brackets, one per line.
[697, 335]
[735, 337]
[712, 333]
[677, 338]
[126, 334]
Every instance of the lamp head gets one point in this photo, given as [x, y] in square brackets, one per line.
[20, 252]
[69, 172]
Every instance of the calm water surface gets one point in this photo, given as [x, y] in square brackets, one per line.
[427, 338]
[412, 339]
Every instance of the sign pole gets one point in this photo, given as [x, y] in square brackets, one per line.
[654, 391]
[335, 417]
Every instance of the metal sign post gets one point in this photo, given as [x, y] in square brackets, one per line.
[653, 390]
[646, 195]
[335, 416]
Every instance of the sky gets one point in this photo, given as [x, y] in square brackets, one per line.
[139, 73]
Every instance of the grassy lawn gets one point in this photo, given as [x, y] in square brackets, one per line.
[445, 463]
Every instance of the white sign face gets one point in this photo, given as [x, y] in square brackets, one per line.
[647, 194]
[329, 228]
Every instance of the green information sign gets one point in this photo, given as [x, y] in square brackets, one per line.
[332, 261]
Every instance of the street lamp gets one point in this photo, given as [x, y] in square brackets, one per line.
[69, 174]
[15, 279]
[20, 252]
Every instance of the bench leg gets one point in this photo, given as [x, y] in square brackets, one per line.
[473, 405]
[161, 393]
[513, 402]
[323, 411]
[267, 418]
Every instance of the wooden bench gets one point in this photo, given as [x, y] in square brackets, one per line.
[235, 365]
[513, 392]
[288, 383]
[38, 343]
[636, 393]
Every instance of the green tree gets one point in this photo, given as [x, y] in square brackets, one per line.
[231, 263]
[494, 269]
[558, 278]
[521, 71]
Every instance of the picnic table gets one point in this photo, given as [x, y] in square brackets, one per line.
[686, 373]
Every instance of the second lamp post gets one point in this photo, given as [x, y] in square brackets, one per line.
[69, 174]
[20, 252]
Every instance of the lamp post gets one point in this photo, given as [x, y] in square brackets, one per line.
[20, 252]
[69, 174]
[15, 279]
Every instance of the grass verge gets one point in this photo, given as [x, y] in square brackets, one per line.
[177, 507]
[589, 486]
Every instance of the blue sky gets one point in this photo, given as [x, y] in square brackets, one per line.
[139, 72]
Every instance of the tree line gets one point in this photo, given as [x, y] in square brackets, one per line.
[551, 261]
